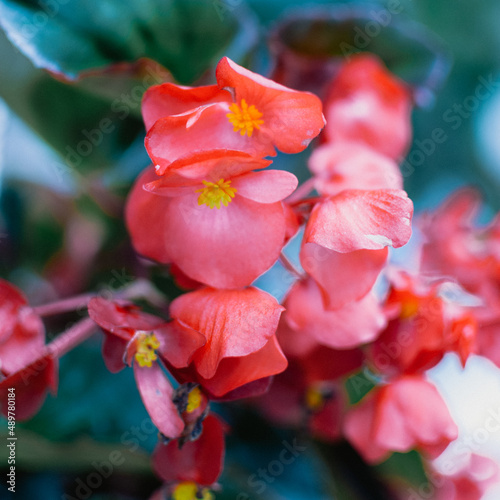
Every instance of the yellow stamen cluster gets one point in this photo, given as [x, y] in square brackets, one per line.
[314, 398]
[146, 345]
[244, 118]
[215, 193]
[189, 491]
[194, 400]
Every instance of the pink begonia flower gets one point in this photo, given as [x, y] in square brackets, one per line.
[25, 363]
[308, 392]
[406, 414]
[239, 327]
[354, 324]
[340, 166]
[470, 482]
[346, 239]
[243, 112]
[415, 339]
[454, 246]
[422, 328]
[221, 224]
[368, 104]
[134, 337]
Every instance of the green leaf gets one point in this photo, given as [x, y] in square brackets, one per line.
[68, 37]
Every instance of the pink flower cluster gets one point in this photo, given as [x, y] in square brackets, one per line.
[211, 209]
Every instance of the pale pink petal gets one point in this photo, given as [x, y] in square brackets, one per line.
[354, 324]
[346, 165]
[342, 277]
[355, 220]
[156, 394]
[227, 247]
[358, 426]
[267, 186]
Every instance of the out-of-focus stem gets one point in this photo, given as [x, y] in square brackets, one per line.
[72, 337]
[64, 305]
[289, 266]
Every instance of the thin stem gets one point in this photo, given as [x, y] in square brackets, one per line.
[306, 201]
[65, 305]
[72, 337]
[302, 191]
[287, 264]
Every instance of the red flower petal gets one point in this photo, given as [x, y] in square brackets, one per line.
[193, 135]
[355, 220]
[350, 326]
[237, 372]
[405, 414]
[145, 220]
[412, 413]
[291, 118]
[188, 173]
[170, 99]
[342, 277]
[112, 352]
[22, 333]
[121, 318]
[178, 343]
[368, 104]
[200, 461]
[227, 247]
[348, 165]
[268, 186]
[31, 384]
[235, 323]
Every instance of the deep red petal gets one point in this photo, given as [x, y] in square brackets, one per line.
[31, 385]
[233, 373]
[200, 461]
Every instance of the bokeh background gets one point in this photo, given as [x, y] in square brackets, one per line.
[72, 73]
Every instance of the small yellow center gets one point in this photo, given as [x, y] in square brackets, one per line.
[215, 193]
[244, 118]
[409, 308]
[146, 345]
[314, 398]
[189, 491]
[194, 400]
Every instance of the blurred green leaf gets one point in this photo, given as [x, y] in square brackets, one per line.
[186, 36]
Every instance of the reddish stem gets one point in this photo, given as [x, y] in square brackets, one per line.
[287, 264]
[72, 337]
[65, 305]
[302, 191]
[306, 201]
